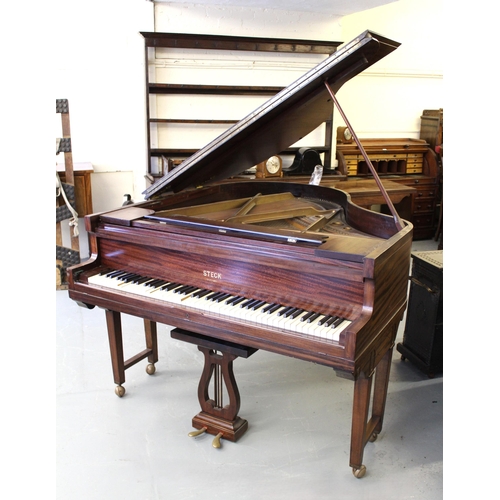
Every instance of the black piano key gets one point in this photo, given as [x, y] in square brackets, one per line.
[129, 277]
[324, 319]
[170, 286]
[230, 301]
[330, 320]
[223, 297]
[247, 303]
[274, 308]
[114, 274]
[121, 275]
[156, 283]
[237, 301]
[266, 309]
[288, 314]
[313, 317]
[202, 293]
[298, 312]
[143, 280]
[307, 316]
[258, 305]
[337, 322]
[283, 311]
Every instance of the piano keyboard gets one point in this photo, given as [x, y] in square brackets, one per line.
[274, 315]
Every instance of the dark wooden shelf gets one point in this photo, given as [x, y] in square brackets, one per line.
[218, 42]
[179, 120]
[170, 88]
[221, 42]
[181, 153]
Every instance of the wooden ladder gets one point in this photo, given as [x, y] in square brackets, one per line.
[65, 256]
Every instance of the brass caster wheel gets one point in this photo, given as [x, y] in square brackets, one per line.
[359, 473]
[373, 437]
[119, 391]
[150, 369]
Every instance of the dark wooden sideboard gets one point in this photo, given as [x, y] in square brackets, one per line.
[410, 162]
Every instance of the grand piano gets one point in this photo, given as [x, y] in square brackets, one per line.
[292, 268]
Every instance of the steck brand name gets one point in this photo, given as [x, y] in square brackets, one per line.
[212, 274]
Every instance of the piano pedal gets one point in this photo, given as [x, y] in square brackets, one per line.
[198, 432]
[150, 369]
[216, 442]
[119, 391]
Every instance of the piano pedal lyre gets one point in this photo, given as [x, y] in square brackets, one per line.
[216, 418]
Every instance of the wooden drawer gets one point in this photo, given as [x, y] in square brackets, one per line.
[424, 206]
[426, 192]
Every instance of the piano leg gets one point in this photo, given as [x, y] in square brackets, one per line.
[364, 429]
[216, 418]
[119, 364]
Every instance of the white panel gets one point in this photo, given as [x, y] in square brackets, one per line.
[108, 189]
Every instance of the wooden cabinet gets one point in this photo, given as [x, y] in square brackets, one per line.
[423, 336]
[405, 161]
[161, 159]
[83, 186]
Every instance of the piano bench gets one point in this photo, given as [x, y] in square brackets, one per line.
[216, 418]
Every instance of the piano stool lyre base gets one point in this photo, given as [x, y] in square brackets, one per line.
[119, 364]
[221, 421]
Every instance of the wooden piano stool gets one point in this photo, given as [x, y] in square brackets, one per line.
[221, 421]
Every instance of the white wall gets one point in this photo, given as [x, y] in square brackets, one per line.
[229, 68]
[387, 99]
[239, 21]
[100, 69]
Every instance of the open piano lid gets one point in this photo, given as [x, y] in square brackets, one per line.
[280, 122]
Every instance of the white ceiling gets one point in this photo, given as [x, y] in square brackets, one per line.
[331, 7]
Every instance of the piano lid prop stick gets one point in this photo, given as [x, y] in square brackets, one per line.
[397, 219]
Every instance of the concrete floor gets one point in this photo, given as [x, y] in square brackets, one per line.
[297, 445]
